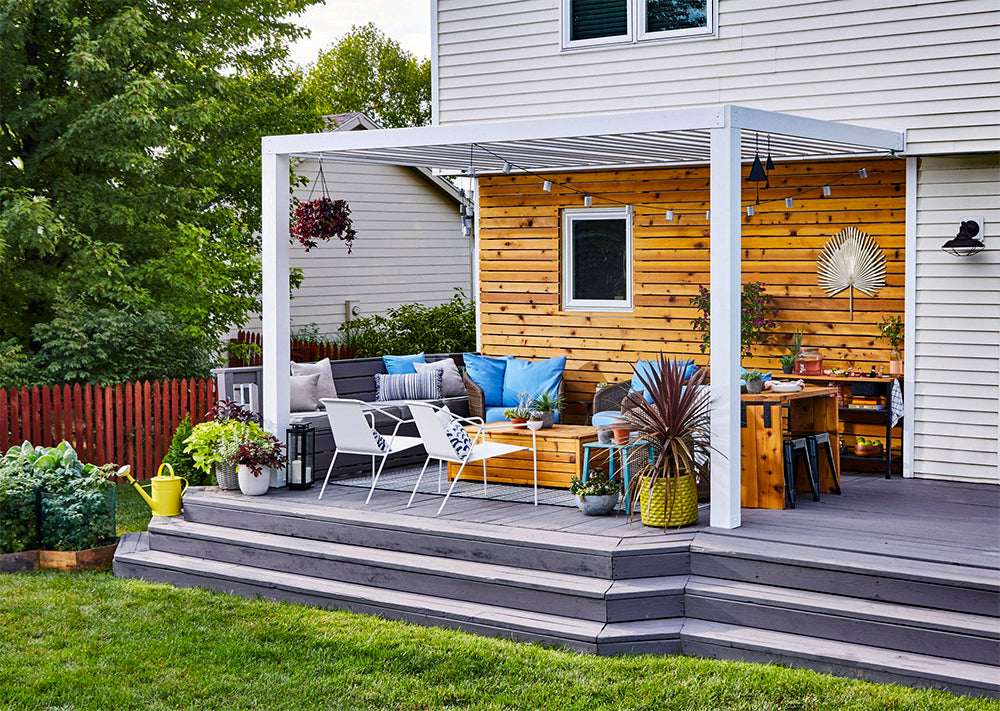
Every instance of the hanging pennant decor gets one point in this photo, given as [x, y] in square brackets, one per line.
[322, 218]
[852, 260]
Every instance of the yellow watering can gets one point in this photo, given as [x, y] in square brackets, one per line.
[167, 491]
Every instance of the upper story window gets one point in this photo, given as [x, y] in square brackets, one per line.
[590, 23]
[597, 259]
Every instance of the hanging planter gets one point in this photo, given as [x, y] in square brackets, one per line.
[322, 218]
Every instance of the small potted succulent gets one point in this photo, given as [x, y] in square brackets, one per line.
[546, 406]
[598, 496]
[535, 421]
[520, 414]
[755, 382]
[787, 363]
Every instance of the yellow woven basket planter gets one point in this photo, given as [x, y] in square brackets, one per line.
[682, 507]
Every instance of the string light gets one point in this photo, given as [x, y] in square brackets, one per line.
[789, 202]
[588, 201]
[863, 173]
[670, 215]
[547, 186]
[708, 214]
[826, 191]
[750, 210]
[506, 168]
[471, 172]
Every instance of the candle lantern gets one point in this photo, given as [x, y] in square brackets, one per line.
[301, 441]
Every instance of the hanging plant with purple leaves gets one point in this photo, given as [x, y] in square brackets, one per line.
[323, 218]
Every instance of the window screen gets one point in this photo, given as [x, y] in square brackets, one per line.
[600, 271]
[591, 19]
[666, 15]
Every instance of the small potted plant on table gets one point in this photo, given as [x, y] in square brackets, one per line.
[546, 406]
[891, 331]
[598, 496]
[755, 382]
[519, 415]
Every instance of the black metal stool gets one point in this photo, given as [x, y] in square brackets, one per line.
[793, 449]
[814, 441]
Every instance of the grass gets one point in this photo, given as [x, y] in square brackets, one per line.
[132, 513]
[91, 641]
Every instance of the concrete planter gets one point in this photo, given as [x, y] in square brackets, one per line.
[597, 505]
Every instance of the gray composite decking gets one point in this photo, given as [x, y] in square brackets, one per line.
[896, 580]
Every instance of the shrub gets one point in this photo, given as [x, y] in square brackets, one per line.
[447, 328]
[182, 461]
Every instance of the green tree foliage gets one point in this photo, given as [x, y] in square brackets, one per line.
[446, 328]
[367, 71]
[130, 172]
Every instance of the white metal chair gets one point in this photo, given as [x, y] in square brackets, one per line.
[431, 427]
[353, 427]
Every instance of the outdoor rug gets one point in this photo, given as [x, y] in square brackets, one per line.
[403, 480]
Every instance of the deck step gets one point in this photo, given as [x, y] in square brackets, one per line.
[939, 633]
[728, 641]
[880, 577]
[553, 551]
[591, 598]
[652, 636]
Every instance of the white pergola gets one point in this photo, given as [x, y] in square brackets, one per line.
[712, 135]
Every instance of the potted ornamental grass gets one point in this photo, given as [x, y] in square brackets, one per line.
[674, 427]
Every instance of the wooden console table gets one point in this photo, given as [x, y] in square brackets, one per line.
[560, 456]
[769, 418]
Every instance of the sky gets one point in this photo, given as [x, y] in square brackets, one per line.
[406, 21]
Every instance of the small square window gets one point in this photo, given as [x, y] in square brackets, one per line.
[598, 19]
[593, 23]
[597, 259]
[667, 15]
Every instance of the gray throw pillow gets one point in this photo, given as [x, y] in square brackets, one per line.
[302, 389]
[451, 379]
[326, 386]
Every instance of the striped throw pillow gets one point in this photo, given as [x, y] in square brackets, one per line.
[408, 386]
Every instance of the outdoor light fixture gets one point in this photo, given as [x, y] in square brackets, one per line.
[789, 202]
[826, 191]
[301, 442]
[588, 201]
[466, 232]
[670, 215]
[547, 186]
[969, 240]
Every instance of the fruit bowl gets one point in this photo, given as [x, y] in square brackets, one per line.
[869, 450]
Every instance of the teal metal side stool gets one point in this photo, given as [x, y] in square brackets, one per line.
[622, 451]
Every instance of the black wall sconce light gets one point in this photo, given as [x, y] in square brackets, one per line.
[969, 240]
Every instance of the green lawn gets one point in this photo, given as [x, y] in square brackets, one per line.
[90, 641]
[132, 513]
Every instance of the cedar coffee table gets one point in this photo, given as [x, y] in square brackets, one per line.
[560, 456]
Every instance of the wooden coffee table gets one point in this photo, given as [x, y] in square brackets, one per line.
[560, 456]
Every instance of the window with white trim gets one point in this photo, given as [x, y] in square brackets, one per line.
[590, 23]
[597, 259]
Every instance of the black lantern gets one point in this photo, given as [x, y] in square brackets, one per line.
[301, 441]
[965, 243]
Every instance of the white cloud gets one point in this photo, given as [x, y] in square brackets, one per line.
[406, 21]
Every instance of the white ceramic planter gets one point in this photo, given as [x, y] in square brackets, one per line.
[252, 485]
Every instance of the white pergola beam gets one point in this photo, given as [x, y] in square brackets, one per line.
[275, 313]
[725, 277]
[802, 127]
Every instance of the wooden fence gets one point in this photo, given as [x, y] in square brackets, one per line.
[130, 423]
[301, 351]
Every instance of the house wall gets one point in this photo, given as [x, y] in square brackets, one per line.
[929, 67]
[957, 329]
[409, 247]
[520, 265]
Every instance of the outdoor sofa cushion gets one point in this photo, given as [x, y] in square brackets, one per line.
[400, 365]
[408, 386]
[325, 387]
[302, 391]
[532, 377]
[451, 379]
[488, 374]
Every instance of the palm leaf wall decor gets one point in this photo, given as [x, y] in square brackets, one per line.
[852, 260]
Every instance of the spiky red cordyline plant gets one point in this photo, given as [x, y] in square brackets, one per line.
[676, 423]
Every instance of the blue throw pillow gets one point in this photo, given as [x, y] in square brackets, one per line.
[650, 368]
[532, 377]
[400, 365]
[488, 374]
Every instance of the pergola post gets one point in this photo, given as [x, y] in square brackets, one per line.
[725, 287]
[274, 290]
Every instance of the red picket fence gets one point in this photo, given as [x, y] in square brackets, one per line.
[302, 351]
[131, 423]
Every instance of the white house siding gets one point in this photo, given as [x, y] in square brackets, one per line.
[929, 67]
[409, 246]
[957, 329]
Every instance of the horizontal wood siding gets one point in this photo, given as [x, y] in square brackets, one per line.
[957, 322]
[929, 67]
[409, 247]
[520, 266]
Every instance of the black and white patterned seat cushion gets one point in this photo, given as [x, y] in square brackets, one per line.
[459, 439]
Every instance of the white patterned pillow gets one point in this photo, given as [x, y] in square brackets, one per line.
[459, 439]
[380, 441]
[408, 386]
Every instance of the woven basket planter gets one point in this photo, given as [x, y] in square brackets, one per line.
[680, 510]
[225, 475]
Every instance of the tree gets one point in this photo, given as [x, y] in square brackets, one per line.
[130, 165]
[369, 72]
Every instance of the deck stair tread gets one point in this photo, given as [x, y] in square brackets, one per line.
[395, 603]
[844, 606]
[731, 641]
[832, 559]
[577, 585]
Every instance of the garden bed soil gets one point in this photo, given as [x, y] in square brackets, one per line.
[18, 562]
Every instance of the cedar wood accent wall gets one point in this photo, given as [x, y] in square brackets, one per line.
[521, 268]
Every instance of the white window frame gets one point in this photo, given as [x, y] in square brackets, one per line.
[595, 213]
[636, 23]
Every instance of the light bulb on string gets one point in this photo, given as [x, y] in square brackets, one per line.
[863, 173]
[708, 214]
[547, 186]
[789, 202]
[750, 210]
[826, 191]
[670, 215]
[588, 201]
[506, 168]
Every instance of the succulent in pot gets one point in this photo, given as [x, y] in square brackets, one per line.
[547, 405]
[755, 381]
[674, 427]
[599, 495]
[787, 363]
[519, 415]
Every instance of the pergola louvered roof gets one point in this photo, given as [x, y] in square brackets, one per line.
[628, 139]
